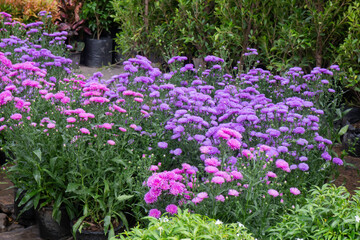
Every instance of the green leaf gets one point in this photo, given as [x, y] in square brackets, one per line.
[37, 176]
[343, 130]
[38, 153]
[73, 187]
[122, 198]
[107, 222]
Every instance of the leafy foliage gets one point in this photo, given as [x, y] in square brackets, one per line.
[186, 225]
[328, 213]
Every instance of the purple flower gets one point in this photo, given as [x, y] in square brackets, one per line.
[338, 161]
[162, 145]
[326, 156]
[177, 151]
[299, 130]
[303, 167]
[302, 142]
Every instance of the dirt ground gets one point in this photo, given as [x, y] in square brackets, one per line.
[349, 173]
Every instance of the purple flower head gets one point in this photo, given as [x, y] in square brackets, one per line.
[162, 145]
[338, 161]
[303, 167]
[326, 156]
[177, 151]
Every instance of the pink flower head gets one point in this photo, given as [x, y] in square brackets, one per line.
[203, 195]
[154, 168]
[234, 144]
[16, 116]
[84, 131]
[236, 175]
[233, 192]
[154, 213]
[50, 125]
[220, 198]
[211, 169]
[265, 148]
[172, 209]
[273, 192]
[122, 129]
[295, 191]
[107, 125]
[133, 126]
[271, 174]
[212, 162]
[71, 120]
[111, 142]
[218, 180]
[223, 135]
[197, 200]
[140, 100]
[232, 132]
[280, 163]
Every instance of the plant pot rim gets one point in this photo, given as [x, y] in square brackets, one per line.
[96, 232]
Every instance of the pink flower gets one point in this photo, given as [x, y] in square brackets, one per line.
[122, 129]
[280, 163]
[211, 169]
[16, 116]
[212, 162]
[149, 198]
[172, 209]
[71, 120]
[111, 142]
[154, 213]
[133, 126]
[223, 135]
[273, 192]
[140, 100]
[271, 174]
[84, 131]
[233, 192]
[218, 180]
[50, 125]
[295, 191]
[234, 144]
[236, 175]
[107, 125]
[119, 109]
[203, 195]
[220, 198]
[197, 200]
[154, 168]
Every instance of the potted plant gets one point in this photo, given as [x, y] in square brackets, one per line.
[98, 49]
[69, 20]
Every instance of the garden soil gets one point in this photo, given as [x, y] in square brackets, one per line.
[349, 176]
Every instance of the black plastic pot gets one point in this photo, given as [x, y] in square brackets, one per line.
[49, 228]
[98, 53]
[96, 235]
[75, 58]
[26, 218]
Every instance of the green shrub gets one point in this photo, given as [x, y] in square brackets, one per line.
[329, 213]
[185, 225]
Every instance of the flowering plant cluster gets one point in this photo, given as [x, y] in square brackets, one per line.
[234, 147]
